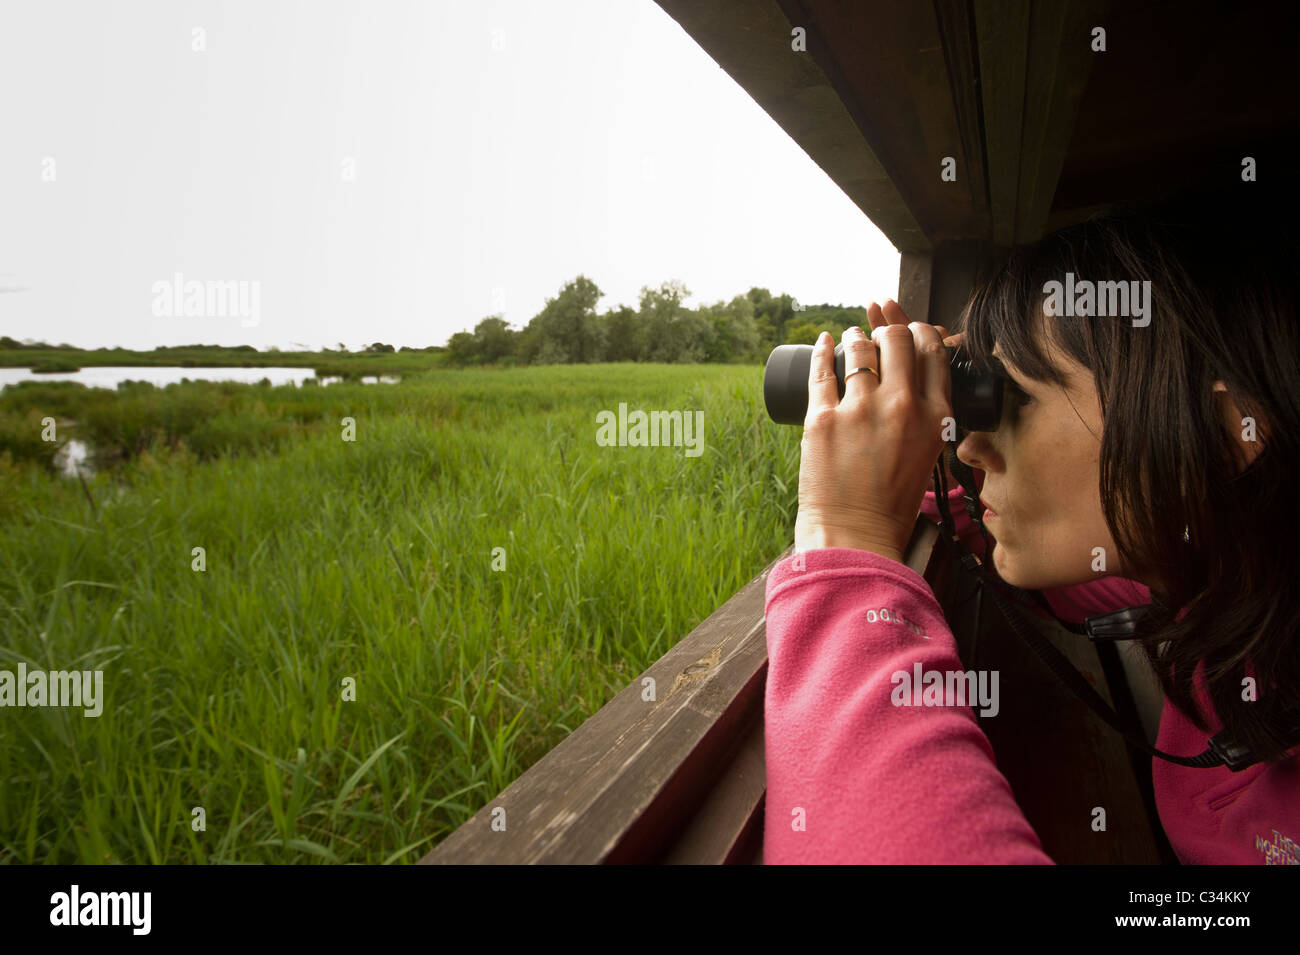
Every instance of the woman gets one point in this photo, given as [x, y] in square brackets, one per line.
[1140, 460]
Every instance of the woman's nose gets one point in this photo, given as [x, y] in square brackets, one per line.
[977, 451]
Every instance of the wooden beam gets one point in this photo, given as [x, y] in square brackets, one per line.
[1002, 28]
[889, 63]
[956, 269]
[1034, 60]
[934, 287]
[961, 55]
[727, 829]
[914, 271]
[1058, 62]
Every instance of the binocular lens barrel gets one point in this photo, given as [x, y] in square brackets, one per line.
[976, 394]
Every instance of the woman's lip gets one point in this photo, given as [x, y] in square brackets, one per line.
[988, 511]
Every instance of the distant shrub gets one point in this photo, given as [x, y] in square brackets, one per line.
[61, 399]
[51, 366]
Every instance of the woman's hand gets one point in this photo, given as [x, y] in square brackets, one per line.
[866, 461]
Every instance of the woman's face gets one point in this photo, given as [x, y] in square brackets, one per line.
[1041, 477]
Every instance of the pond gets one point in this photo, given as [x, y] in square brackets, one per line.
[108, 376]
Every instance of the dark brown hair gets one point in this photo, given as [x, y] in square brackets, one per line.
[1222, 307]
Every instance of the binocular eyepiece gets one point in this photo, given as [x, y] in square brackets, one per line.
[976, 392]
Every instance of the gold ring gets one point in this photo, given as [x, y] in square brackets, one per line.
[863, 368]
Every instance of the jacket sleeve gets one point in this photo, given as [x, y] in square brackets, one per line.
[859, 769]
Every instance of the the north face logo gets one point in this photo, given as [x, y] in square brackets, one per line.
[1280, 851]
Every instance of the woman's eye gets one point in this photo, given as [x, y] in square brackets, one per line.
[1019, 397]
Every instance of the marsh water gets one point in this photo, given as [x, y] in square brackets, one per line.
[74, 457]
[108, 376]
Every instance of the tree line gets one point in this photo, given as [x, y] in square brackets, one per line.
[661, 328]
[570, 330]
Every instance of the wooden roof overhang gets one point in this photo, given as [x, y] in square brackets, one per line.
[1044, 130]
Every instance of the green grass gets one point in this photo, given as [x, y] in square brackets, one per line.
[368, 560]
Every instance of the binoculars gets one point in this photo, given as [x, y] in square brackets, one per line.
[977, 393]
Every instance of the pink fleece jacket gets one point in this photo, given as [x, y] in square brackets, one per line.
[854, 778]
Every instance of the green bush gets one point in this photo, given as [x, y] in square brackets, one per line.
[50, 366]
[20, 437]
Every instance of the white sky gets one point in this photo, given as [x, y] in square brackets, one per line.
[596, 138]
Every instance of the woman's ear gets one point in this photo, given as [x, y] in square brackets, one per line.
[1244, 429]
